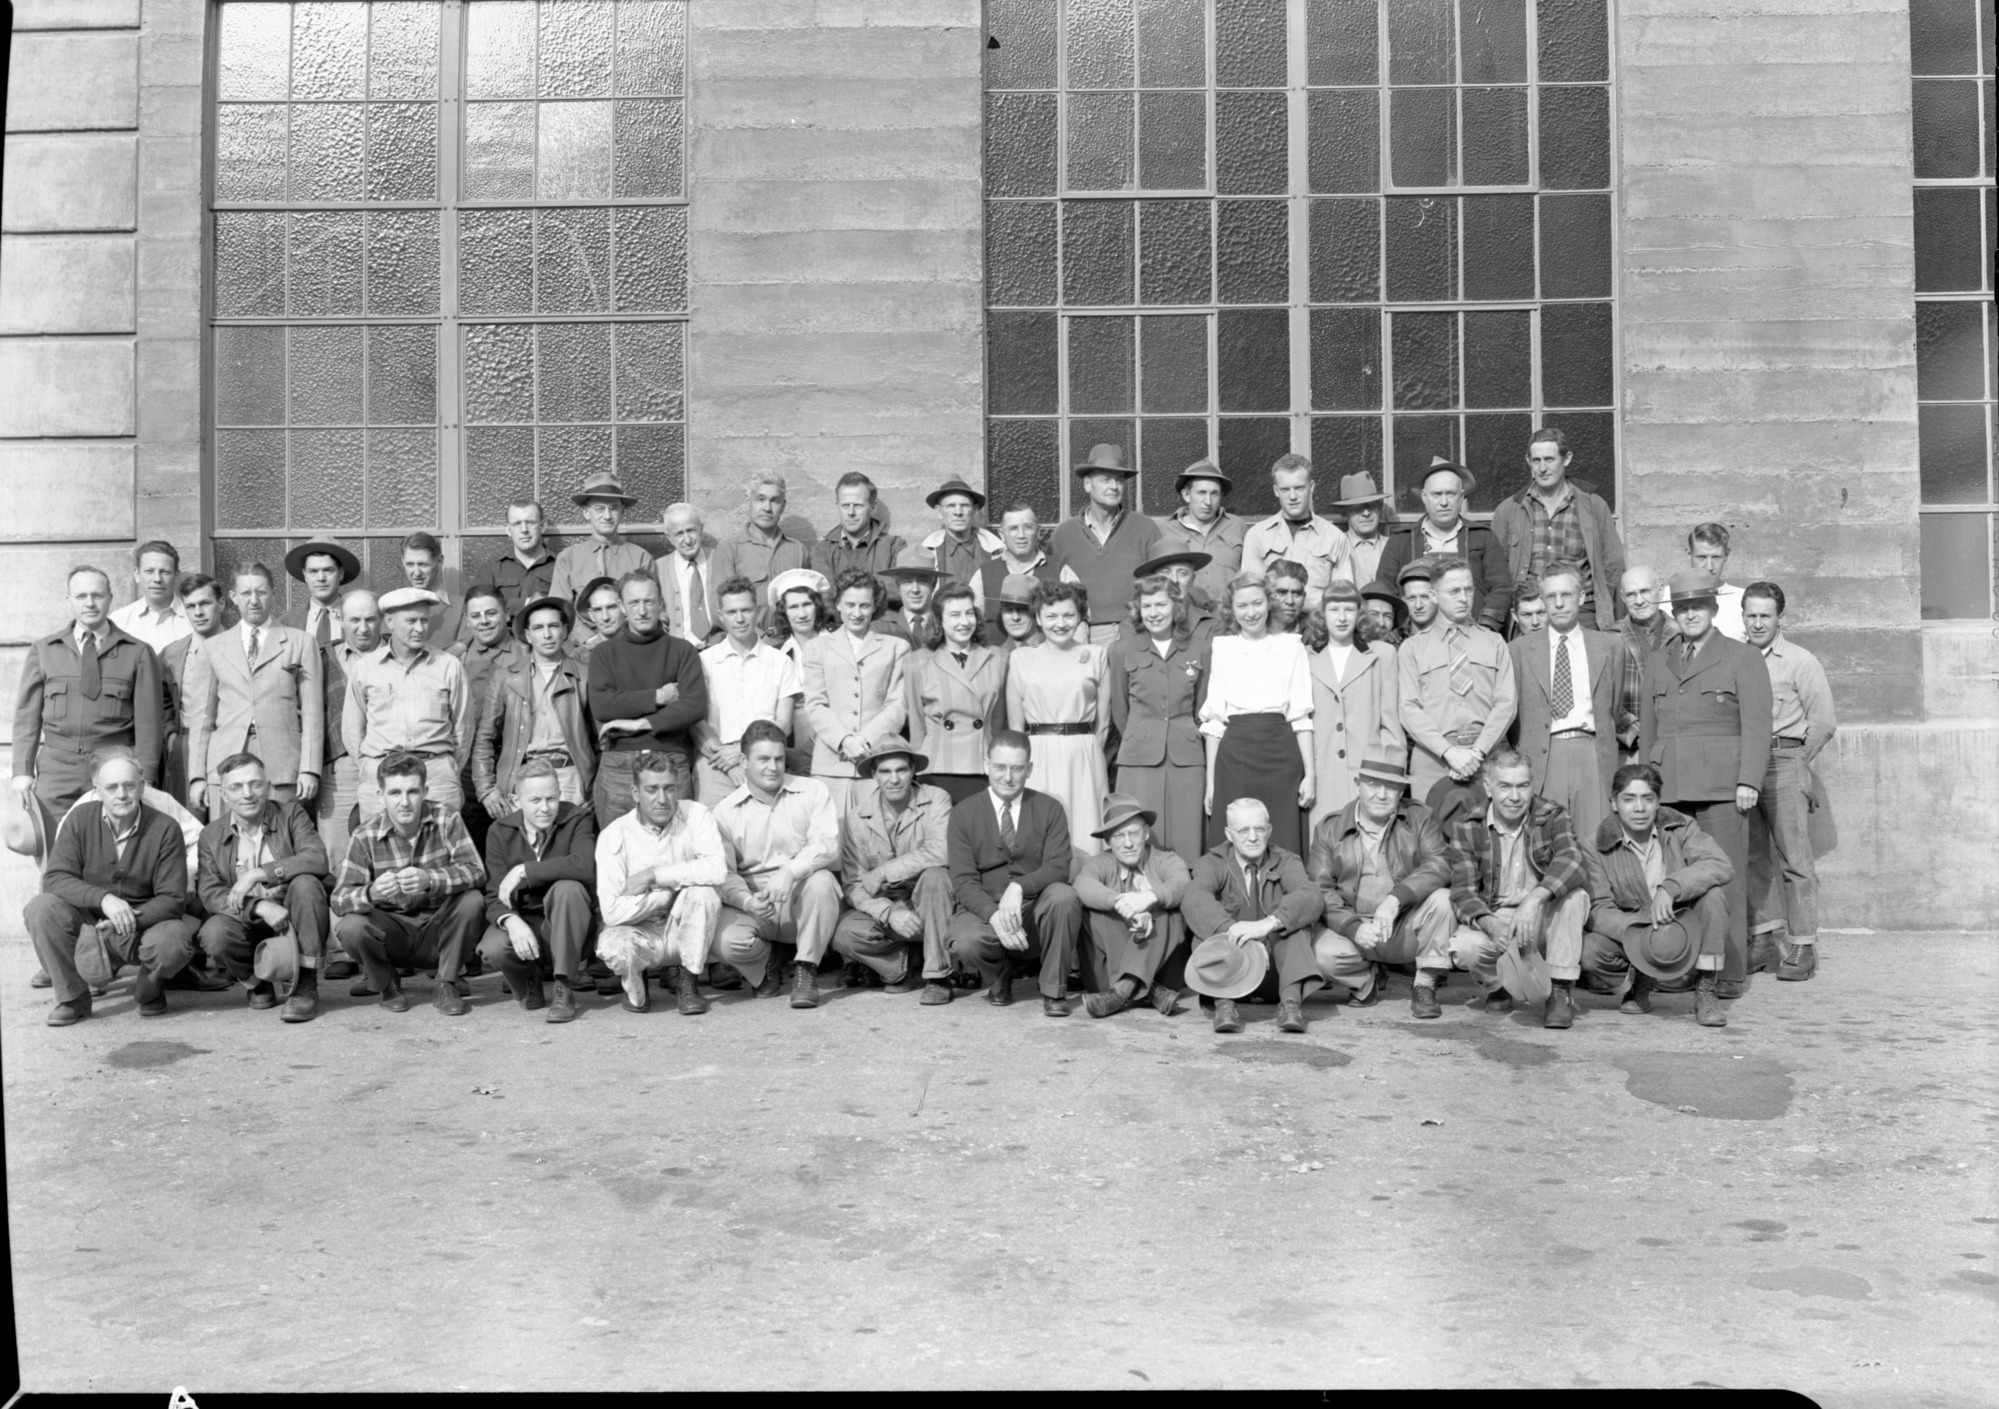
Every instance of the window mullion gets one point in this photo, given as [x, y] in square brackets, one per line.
[1298, 208]
[451, 371]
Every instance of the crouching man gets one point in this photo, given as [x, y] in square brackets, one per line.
[1517, 883]
[1245, 892]
[263, 872]
[658, 870]
[541, 867]
[1383, 868]
[892, 851]
[1131, 893]
[113, 893]
[409, 893]
[1658, 897]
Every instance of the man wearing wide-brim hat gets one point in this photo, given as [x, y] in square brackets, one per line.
[957, 548]
[1200, 525]
[1367, 512]
[915, 579]
[1248, 892]
[325, 568]
[1383, 866]
[1708, 731]
[606, 552]
[1442, 530]
[1099, 546]
[1657, 898]
[1393, 616]
[892, 853]
[536, 707]
[409, 697]
[1132, 933]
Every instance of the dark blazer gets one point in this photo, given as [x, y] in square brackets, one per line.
[296, 850]
[1491, 582]
[1217, 895]
[50, 708]
[982, 869]
[1414, 849]
[1154, 701]
[84, 865]
[1706, 722]
[1533, 662]
[571, 855]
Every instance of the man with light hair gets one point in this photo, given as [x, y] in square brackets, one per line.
[409, 698]
[1458, 691]
[1568, 681]
[1707, 550]
[763, 549]
[155, 616]
[256, 689]
[526, 571]
[1297, 532]
[687, 582]
[1644, 628]
[748, 679]
[541, 868]
[1248, 891]
[658, 870]
[859, 539]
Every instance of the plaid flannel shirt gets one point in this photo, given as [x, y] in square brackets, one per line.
[442, 849]
[1637, 643]
[1475, 859]
[1556, 537]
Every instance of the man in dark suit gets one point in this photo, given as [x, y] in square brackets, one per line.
[1009, 854]
[1705, 724]
[541, 868]
[1255, 893]
[262, 870]
[1567, 678]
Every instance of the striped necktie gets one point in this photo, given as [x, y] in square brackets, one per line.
[1461, 677]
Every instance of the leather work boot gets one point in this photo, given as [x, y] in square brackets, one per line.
[445, 998]
[303, 1004]
[1423, 1001]
[1228, 1018]
[394, 999]
[804, 984]
[562, 1007]
[262, 996]
[1764, 953]
[1560, 1009]
[688, 995]
[532, 996]
[1639, 999]
[1499, 1001]
[1800, 962]
[1115, 1000]
[1166, 1000]
[773, 979]
[1730, 988]
[1290, 1015]
[151, 991]
[1000, 995]
[936, 993]
[1708, 1011]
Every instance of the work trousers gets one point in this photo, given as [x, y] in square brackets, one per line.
[683, 935]
[1783, 873]
[612, 793]
[231, 941]
[1051, 923]
[386, 940]
[1110, 952]
[1422, 936]
[711, 784]
[53, 922]
[173, 766]
[339, 791]
[563, 927]
[62, 775]
[1730, 830]
[806, 922]
[440, 773]
[1560, 941]
[1574, 778]
[1706, 919]
[1427, 769]
[866, 940]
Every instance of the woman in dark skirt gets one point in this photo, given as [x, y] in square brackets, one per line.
[955, 704]
[1158, 675]
[1258, 718]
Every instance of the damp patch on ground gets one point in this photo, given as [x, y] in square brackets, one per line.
[1716, 1085]
[1813, 1281]
[1283, 1053]
[1507, 1051]
[153, 1054]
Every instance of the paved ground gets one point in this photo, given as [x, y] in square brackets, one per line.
[877, 1195]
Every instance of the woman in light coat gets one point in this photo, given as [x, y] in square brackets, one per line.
[1356, 699]
[955, 705]
[855, 694]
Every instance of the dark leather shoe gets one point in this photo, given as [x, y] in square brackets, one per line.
[533, 999]
[341, 969]
[1423, 1002]
[263, 996]
[1114, 1000]
[192, 979]
[69, 1014]
[1498, 1001]
[93, 961]
[1228, 1018]
[1290, 1015]
[688, 995]
[41, 979]
[772, 983]
[1639, 999]
[1708, 1011]
[1166, 1000]
[804, 985]
[395, 1000]
[562, 1007]
[1730, 988]
[461, 988]
[151, 992]
[1801, 961]
[725, 979]
[936, 993]
[1054, 1007]
[1764, 955]
[302, 1006]
[1000, 995]
[1599, 983]
[445, 998]
[1560, 1009]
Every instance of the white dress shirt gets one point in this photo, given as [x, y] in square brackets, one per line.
[1582, 714]
[157, 629]
[688, 852]
[745, 686]
[1258, 677]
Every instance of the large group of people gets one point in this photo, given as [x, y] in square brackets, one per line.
[1133, 758]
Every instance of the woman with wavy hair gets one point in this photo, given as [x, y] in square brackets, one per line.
[1158, 678]
[1356, 701]
[854, 692]
[1257, 718]
[1055, 693]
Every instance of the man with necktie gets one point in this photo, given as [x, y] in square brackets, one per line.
[256, 689]
[324, 569]
[1458, 693]
[1247, 891]
[1569, 681]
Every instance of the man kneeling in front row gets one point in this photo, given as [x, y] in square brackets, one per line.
[262, 873]
[893, 845]
[658, 868]
[541, 865]
[409, 894]
[1247, 892]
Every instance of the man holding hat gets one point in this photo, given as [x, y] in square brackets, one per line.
[1297, 533]
[1554, 520]
[958, 549]
[1200, 526]
[1656, 884]
[1249, 894]
[1102, 546]
[1131, 893]
[263, 873]
[536, 710]
[1444, 531]
[541, 868]
[894, 843]
[1706, 725]
[325, 569]
[1365, 506]
[606, 552]
[1383, 867]
[748, 679]
[409, 698]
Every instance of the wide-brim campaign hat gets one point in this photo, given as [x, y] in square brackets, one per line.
[1383, 770]
[918, 763]
[602, 485]
[1524, 974]
[350, 566]
[1221, 968]
[567, 609]
[404, 598]
[1465, 476]
[1356, 490]
[954, 485]
[1189, 557]
[582, 602]
[1105, 459]
[915, 562]
[791, 579]
[1202, 469]
[276, 961]
[1665, 951]
[1691, 585]
[1018, 590]
[1120, 808]
[24, 826]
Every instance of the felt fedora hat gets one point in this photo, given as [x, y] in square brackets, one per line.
[1383, 770]
[1018, 590]
[1120, 808]
[1220, 968]
[1104, 458]
[1379, 591]
[791, 578]
[1356, 490]
[1465, 476]
[1524, 974]
[583, 597]
[1202, 469]
[604, 484]
[350, 566]
[1665, 951]
[1690, 585]
[276, 961]
[918, 763]
[24, 826]
[954, 485]
[528, 609]
[1191, 558]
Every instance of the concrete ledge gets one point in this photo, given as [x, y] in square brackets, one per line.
[75, 14]
[57, 492]
[73, 83]
[1961, 671]
[68, 285]
[57, 387]
[71, 183]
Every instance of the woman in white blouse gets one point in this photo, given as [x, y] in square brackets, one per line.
[1257, 718]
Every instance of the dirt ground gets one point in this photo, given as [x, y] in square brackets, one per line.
[881, 1195]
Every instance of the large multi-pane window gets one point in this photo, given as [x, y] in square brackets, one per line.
[1371, 230]
[450, 268]
[1950, 44]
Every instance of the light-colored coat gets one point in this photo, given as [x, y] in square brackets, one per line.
[281, 695]
[1353, 720]
[853, 687]
[1532, 672]
[667, 566]
[953, 712]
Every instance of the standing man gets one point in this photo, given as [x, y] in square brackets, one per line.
[1706, 727]
[1707, 551]
[1569, 680]
[782, 893]
[84, 688]
[1530, 608]
[1131, 893]
[1783, 872]
[155, 615]
[257, 689]
[1418, 583]
[1010, 859]
[646, 694]
[201, 603]
[409, 699]
[1554, 521]
[408, 894]
[600, 615]
[1297, 533]
[487, 648]
[893, 847]
[1021, 555]
[658, 867]
[536, 711]
[1644, 628]
[1102, 546]
[1247, 891]
[262, 872]
[692, 608]
[747, 679]
[606, 552]
[423, 569]
[958, 549]
[859, 540]
[541, 869]
[763, 549]
[1458, 690]
[1200, 526]
[527, 570]
[1444, 531]
[1365, 539]
[325, 569]
[340, 791]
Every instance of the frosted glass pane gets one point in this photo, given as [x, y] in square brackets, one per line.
[495, 261]
[566, 456]
[329, 50]
[250, 376]
[402, 479]
[249, 151]
[499, 49]
[573, 371]
[402, 151]
[402, 376]
[254, 51]
[572, 261]
[326, 480]
[249, 264]
[576, 38]
[652, 463]
[402, 262]
[402, 50]
[250, 479]
[645, 147]
[1100, 141]
[652, 46]
[651, 259]
[325, 382]
[574, 151]
[499, 372]
[499, 151]
[650, 365]
[499, 468]
[1100, 43]
[326, 152]
[325, 263]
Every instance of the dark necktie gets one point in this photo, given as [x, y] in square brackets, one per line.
[697, 604]
[1251, 873]
[1565, 685]
[1009, 838]
[962, 657]
[323, 632]
[1688, 654]
[89, 680]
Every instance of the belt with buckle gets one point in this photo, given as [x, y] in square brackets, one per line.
[1061, 728]
[1573, 734]
[559, 757]
[1789, 741]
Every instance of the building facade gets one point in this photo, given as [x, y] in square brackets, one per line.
[275, 270]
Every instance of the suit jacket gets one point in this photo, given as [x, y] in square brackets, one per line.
[953, 711]
[1533, 662]
[1706, 722]
[866, 844]
[333, 680]
[1353, 720]
[1492, 583]
[296, 850]
[982, 869]
[279, 695]
[506, 723]
[853, 688]
[1218, 894]
[571, 855]
[1155, 702]
[675, 606]
[50, 709]
[173, 683]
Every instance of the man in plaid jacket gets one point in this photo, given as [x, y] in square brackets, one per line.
[1517, 882]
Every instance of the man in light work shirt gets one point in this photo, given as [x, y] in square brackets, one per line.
[763, 549]
[155, 616]
[1297, 533]
[748, 680]
[892, 852]
[1458, 689]
[1200, 526]
[527, 570]
[408, 698]
[605, 553]
[1101, 546]
[1783, 871]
